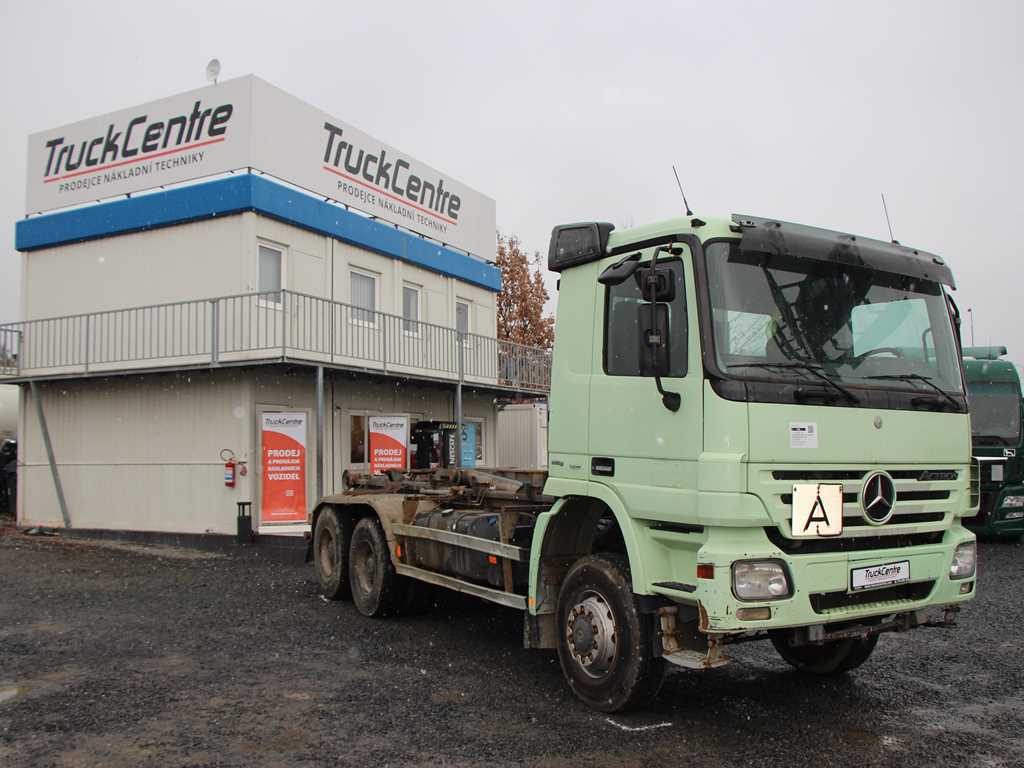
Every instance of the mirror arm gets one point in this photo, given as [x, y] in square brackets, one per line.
[671, 400]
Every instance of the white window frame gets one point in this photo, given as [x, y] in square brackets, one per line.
[418, 322]
[469, 316]
[353, 309]
[346, 428]
[347, 431]
[283, 250]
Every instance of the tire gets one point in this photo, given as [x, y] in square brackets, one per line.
[377, 589]
[608, 661]
[832, 658]
[330, 554]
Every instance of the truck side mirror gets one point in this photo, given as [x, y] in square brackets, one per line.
[656, 284]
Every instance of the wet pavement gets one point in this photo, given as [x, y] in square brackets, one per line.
[133, 656]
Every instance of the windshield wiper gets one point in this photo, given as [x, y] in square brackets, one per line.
[917, 377]
[801, 365]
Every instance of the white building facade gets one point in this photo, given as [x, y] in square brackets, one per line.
[164, 328]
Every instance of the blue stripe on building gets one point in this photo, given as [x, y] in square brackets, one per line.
[248, 192]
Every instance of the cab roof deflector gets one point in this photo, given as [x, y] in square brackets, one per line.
[788, 239]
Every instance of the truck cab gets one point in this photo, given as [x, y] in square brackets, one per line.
[993, 390]
[777, 423]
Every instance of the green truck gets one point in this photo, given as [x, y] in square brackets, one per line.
[993, 391]
[758, 431]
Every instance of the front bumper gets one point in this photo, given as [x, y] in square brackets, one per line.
[821, 592]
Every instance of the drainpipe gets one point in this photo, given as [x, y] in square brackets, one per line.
[319, 432]
[458, 405]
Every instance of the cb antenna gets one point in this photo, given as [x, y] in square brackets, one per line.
[680, 185]
[888, 223]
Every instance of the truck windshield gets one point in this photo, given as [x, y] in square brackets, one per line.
[995, 410]
[776, 316]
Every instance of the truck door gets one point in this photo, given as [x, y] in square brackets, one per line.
[644, 451]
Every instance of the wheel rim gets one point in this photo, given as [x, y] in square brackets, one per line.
[591, 634]
[364, 562]
[327, 552]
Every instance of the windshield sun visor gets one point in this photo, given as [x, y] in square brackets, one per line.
[799, 240]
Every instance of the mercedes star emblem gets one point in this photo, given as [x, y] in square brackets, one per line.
[878, 498]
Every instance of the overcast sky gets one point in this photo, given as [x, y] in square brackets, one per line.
[571, 111]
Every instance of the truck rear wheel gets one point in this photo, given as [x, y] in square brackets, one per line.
[330, 554]
[377, 589]
[832, 658]
[604, 642]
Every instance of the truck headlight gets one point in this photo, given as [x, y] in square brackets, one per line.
[1012, 501]
[965, 560]
[759, 580]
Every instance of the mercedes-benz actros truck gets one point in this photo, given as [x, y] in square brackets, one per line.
[758, 431]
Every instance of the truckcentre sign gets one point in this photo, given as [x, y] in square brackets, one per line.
[283, 490]
[248, 123]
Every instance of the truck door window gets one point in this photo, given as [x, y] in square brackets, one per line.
[621, 325]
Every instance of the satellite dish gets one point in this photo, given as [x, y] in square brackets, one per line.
[213, 70]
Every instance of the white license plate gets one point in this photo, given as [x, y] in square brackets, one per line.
[817, 510]
[880, 575]
[1017, 514]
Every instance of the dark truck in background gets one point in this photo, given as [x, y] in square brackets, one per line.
[994, 393]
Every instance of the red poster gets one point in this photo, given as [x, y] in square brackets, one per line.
[284, 468]
[388, 446]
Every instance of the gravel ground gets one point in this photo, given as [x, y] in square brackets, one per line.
[130, 656]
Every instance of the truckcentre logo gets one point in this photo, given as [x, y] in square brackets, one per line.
[135, 148]
[375, 179]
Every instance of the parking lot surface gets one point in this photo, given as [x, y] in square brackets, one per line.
[128, 656]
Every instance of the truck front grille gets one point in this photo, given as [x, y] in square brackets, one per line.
[825, 602]
[924, 496]
[852, 544]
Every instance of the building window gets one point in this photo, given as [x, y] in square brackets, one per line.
[410, 309]
[479, 437]
[462, 316]
[364, 298]
[357, 439]
[269, 273]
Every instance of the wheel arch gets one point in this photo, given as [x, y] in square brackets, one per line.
[569, 532]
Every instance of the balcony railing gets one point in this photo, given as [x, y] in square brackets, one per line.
[255, 327]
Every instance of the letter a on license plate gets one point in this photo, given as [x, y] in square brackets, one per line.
[817, 510]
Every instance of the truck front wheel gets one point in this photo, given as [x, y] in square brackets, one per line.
[831, 658]
[604, 642]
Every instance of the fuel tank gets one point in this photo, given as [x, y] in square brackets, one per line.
[466, 563]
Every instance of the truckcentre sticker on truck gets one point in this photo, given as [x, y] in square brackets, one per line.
[803, 434]
[880, 575]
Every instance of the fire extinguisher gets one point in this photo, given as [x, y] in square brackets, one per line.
[230, 465]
